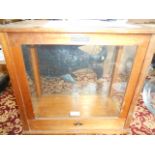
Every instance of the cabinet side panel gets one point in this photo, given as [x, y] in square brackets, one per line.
[4, 41]
[146, 63]
[135, 73]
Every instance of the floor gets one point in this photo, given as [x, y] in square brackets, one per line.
[143, 122]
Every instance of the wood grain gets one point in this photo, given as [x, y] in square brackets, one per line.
[88, 106]
[78, 26]
[18, 60]
[134, 75]
[87, 124]
[47, 109]
[4, 41]
[79, 132]
[144, 71]
[76, 39]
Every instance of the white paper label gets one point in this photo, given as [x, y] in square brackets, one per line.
[75, 113]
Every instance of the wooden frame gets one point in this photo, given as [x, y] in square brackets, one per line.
[141, 80]
[11, 43]
[13, 76]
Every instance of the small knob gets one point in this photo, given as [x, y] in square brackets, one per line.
[78, 124]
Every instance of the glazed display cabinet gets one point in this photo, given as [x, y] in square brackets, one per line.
[78, 77]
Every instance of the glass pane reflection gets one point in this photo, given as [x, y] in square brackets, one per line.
[89, 80]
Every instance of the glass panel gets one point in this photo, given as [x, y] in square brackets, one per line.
[77, 80]
[148, 93]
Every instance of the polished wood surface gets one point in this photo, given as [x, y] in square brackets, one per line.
[78, 26]
[35, 68]
[134, 75]
[21, 78]
[4, 41]
[88, 106]
[76, 39]
[24, 38]
[144, 71]
[70, 124]
[98, 115]
[79, 132]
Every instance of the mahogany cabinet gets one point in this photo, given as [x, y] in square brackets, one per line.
[78, 77]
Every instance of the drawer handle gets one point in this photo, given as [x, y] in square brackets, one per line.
[78, 124]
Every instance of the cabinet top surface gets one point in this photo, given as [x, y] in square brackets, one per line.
[80, 26]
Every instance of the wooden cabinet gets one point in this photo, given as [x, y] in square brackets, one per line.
[76, 78]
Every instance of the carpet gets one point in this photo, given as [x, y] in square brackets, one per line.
[143, 122]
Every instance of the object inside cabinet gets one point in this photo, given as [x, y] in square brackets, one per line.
[85, 80]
